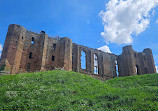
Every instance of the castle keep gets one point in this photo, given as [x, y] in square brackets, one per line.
[26, 51]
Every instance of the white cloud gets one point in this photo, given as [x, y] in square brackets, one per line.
[105, 49]
[157, 69]
[124, 18]
[157, 21]
[1, 47]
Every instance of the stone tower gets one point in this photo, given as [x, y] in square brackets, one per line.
[13, 48]
[26, 51]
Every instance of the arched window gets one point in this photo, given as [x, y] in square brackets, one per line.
[33, 40]
[83, 60]
[116, 68]
[96, 64]
[137, 69]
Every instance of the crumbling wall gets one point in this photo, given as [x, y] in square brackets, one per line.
[32, 56]
[126, 62]
[133, 63]
[65, 60]
[150, 61]
[26, 51]
[59, 54]
[53, 50]
[106, 61]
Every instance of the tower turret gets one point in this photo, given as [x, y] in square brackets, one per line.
[13, 47]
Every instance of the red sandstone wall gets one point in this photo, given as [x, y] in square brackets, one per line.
[134, 63]
[18, 46]
[13, 48]
[52, 52]
[106, 61]
[37, 52]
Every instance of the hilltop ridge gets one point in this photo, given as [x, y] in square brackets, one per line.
[67, 91]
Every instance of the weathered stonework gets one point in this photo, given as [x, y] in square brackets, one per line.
[26, 51]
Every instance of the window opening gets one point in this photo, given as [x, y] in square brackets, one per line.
[30, 55]
[33, 40]
[96, 64]
[137, 69]
[28, 66]
[54, 46]
[116, 68]
[53, 58]
[83, 60]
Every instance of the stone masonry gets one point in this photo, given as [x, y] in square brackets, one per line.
[26, 51]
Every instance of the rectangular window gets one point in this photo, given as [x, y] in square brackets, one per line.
[83, 60]
[33, 40]
[30, 55]
[54, 46]
[53, 58]
[28, 66]
[96, 64]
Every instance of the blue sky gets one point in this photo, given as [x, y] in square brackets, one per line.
[76, 19]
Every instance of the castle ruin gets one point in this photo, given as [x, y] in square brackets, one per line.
[26, 51]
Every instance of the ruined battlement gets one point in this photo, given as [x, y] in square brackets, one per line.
[27, 51]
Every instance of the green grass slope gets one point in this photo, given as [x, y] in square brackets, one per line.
[68, 91]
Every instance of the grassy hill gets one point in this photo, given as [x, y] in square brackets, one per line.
[68, 91]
